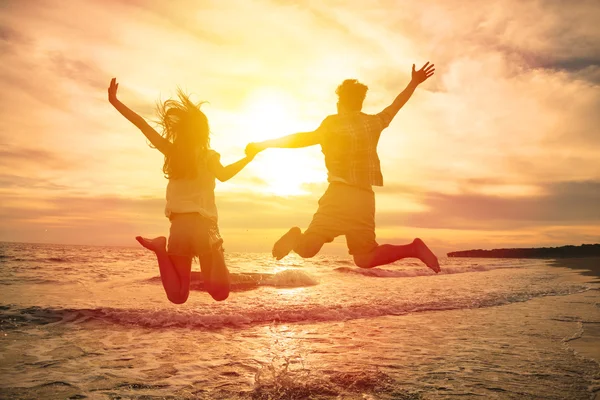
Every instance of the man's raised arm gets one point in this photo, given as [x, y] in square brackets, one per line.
[418, 77]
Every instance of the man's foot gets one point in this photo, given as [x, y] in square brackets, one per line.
[426, 255]
[286, 244]
[157, 244]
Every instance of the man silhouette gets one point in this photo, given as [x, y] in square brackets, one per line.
[349, 142]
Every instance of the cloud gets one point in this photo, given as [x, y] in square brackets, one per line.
[9, 183]
[78, 70]
[502, 141]
[566, 211]
[19, 158]
[11, 40]
[560, 204]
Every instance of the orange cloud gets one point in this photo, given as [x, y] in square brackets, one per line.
[499, 147]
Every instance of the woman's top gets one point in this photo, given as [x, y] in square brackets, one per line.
[188, 195]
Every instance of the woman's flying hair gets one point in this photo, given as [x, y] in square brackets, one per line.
[186, 127]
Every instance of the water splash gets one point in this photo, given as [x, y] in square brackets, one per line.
[289, 278]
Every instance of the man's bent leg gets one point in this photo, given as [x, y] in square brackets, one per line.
[286, 243]
[305, 245]
[308, 245]
[388, 253]
[327, 223]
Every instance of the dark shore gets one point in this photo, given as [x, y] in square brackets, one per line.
[568, 251]
[587, 266]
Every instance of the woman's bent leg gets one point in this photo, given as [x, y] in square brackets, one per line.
[216, 274]
[175, 271]
[180, 267]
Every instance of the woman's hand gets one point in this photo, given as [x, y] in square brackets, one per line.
[112, 90]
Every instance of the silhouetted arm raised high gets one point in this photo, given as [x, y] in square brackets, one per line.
[418, 77]
[161, 144]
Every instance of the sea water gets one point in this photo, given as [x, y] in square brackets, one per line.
[94, 322]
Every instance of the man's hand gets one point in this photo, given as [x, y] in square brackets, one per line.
[112, 90]
[253, 149]
[418, 77]
[421, 75]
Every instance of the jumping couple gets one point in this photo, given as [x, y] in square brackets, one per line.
[349, 142]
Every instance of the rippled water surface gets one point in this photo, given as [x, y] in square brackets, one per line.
[94, 322]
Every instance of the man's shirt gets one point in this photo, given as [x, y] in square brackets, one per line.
[349, 143]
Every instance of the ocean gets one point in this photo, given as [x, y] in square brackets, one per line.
[93, 322]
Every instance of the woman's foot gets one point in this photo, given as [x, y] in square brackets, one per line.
[286, 244]
[157, 244]
[426, 255]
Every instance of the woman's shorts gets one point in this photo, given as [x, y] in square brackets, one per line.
[193, 235]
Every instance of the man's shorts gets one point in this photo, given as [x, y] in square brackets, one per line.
[346, 210]
[192, 235]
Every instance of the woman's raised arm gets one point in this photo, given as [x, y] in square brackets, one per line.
[161, 144]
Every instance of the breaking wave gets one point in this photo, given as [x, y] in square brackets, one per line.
[215, 317]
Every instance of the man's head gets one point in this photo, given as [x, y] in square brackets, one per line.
[351, 94]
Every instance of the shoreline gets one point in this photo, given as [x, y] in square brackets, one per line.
[589, 266]
[587, 344]
[566, 251]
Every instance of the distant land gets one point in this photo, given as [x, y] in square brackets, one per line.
[585, 250]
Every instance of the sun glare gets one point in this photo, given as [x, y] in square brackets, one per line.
[270, 113]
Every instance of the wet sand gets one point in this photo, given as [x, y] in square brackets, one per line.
[587, 266]
[588, 342]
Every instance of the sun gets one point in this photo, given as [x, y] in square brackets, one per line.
[271, 113]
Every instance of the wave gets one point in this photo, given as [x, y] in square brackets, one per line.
[49, 260]
[409, 273]
[57, 259]
[225, 315]
[289, 278]
[29, 280]
[278, 380]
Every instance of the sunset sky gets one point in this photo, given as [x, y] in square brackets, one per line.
[501, 148]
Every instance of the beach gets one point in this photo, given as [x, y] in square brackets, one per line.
[587, 343]
[93, 323]
[302, 139]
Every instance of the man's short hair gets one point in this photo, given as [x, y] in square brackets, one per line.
[351, 94]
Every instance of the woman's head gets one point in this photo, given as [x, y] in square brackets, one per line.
[186, 127]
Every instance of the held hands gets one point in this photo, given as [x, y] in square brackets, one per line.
[112, 90]
[421, 75]
[252, 149]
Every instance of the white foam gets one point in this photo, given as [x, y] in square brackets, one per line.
[211, 317]
[418, 271]
[290, 278]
